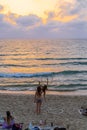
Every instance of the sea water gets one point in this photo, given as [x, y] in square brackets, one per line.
[23, 63]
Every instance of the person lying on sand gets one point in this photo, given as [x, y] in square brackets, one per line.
[83, 111]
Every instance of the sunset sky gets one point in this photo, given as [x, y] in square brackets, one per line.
[39, 19]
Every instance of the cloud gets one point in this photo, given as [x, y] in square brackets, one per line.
[1, 17]
[62, 12]
[80, 8]
[3, 24]
[22, 28]
[52, 29]
[11, 18]
[1, 7]
[29, 20]
[67, 11]
[68, 20]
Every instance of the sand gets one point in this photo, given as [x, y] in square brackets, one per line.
[59, 108]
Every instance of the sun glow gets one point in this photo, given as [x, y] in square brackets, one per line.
[25, 7]
[40, 8]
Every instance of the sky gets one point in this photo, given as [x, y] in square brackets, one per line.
[43, 19]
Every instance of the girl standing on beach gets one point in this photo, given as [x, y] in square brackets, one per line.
[38, 99]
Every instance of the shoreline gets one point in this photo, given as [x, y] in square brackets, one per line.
[49, 92]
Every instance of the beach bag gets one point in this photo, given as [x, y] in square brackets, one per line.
[36, 128]
[57, 128]
[62, 129]
[17, 126]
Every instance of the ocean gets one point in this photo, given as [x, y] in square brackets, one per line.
[23, 63]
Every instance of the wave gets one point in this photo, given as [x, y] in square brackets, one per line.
[62, 87]
[50, 64]
[59, 58]
[72, 72]
[10, 65]
[15, 65]
[44, 74]
[74, 63]
[71, 85]
[24, 75]
[19, 54]
[67, 63]
[78, 58]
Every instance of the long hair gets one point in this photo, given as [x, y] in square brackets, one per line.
[39, 91]
[44, 88]
[9, 117]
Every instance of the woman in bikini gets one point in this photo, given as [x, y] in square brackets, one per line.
[38, 99]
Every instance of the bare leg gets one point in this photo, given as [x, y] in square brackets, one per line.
[39, 109]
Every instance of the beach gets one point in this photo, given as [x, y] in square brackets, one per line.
[59, 108]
